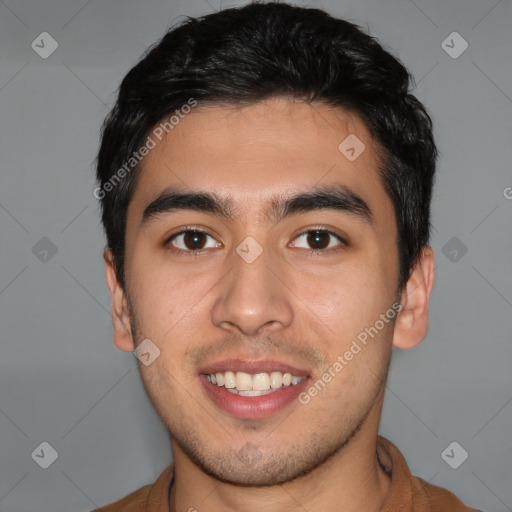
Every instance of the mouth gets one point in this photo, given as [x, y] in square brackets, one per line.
[258, 384]
[252, 390]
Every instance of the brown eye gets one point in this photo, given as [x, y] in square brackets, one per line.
[192, 240]
[318, 239]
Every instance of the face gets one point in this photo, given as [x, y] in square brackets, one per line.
[278, 271]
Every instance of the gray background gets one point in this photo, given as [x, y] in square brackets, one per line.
[63, 382]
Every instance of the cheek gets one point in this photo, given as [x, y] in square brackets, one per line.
[165, 297]
[347, 299]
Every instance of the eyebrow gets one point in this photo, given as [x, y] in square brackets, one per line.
[332, 197]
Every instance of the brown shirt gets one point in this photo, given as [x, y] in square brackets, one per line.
[407, 494]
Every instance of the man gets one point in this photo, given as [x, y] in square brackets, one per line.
[265, 179]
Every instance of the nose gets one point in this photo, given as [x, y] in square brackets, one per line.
[252, 298]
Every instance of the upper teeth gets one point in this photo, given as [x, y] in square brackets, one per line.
[242, 381]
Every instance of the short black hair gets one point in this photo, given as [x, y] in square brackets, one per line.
[240, 56]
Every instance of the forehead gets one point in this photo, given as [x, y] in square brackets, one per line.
[255, 153]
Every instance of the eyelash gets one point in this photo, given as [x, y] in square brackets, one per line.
[312, 252]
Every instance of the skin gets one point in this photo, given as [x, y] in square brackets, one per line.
[290, 304]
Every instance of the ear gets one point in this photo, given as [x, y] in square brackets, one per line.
[123, 339]
[412, 322]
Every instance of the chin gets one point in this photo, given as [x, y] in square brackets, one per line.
[250, 466]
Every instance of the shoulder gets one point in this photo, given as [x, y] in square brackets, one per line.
[150, 498]
[410, 493]
[134, 502]
[437, 498]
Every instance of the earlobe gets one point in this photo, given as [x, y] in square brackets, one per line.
[120, 312]
[412, 323]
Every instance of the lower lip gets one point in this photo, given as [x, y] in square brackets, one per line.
[252, 407]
